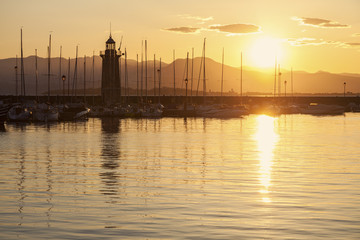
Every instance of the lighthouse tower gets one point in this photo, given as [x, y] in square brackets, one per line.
[110, 82]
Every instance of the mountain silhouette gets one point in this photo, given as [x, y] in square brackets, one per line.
[254, 81]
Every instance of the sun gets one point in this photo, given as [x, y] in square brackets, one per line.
[264, 51]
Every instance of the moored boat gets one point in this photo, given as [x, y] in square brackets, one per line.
[45, 113]
[19, 113]
[323, 109]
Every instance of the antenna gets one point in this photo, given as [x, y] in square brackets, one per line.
[110, 29]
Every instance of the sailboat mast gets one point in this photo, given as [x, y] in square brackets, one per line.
[222, 75]
[68, 78]
[137, 75]
[159, 79]
[49, 66]
[126, 79]
[93, 77]
[60, 69]
[204, 80]
[75, 73]
[146, 88]
[275, 77]
[192, 72]
[36, 75]
[241, 79]
[292, 83]
[16, 78]
[154, 77]
[174, 72]
[85, 79]
[22, 68]
[279, 81]
[142, 69]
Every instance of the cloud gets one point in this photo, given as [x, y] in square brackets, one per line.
[201, 20]
[353, 44]
[319, 22]
[186, 30]
[237, 29]
[309, 41]
[356, 35]
[317, 42]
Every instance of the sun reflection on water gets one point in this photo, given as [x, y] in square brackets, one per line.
[266, 139]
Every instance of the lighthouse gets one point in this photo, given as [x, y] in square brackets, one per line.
[110, 81]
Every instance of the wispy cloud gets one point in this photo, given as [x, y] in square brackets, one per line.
[356, 35]
[186, 30]
[201, 20]
[319, 22]
[317, 42]
[237, 29]
[353, 44]
[306, 41]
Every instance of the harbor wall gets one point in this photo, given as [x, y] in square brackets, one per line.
[176, 100]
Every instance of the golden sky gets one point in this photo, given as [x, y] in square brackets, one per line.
[309, 35]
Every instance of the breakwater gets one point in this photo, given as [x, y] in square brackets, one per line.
[175, 100]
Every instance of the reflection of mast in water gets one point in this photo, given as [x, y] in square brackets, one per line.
[49, 186]
[110, 155]
[21, 187]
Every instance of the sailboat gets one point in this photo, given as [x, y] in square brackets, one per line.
[44, 112]
[20, 112]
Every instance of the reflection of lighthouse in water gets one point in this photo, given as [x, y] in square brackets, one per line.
[110, 82]
[110, 155]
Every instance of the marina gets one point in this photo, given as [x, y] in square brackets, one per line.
[180, 120]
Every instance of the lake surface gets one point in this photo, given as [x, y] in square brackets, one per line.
[259, 177]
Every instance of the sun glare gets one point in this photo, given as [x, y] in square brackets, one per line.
[266, 140]
[264, 51]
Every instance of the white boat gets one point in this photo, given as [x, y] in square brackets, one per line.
[73, 111]
[323, 109]
[19, 113]
[45, 113]
[222, 111]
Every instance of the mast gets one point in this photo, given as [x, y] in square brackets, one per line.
[68, 90]
[142, 69]
[75, 73]
[36, 76]
[126, 78]
[174, 71]
[154, 77]
[85, 79]
[204, 80]
[93, 78]
[192, 72]
[222, 75]
[22, 68]
[241, 79]
[137, 75]
[146, 88]
[16, 79]
[60, 69]
[49, 66]
[292, 86]
[159, 79]
[279, 81]
[275, 77]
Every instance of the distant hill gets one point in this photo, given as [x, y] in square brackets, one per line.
[253, 81]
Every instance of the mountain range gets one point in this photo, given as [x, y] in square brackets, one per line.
[254, 81]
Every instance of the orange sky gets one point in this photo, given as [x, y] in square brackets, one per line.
[310, 35]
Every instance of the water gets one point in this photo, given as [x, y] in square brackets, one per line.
[288, 177]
